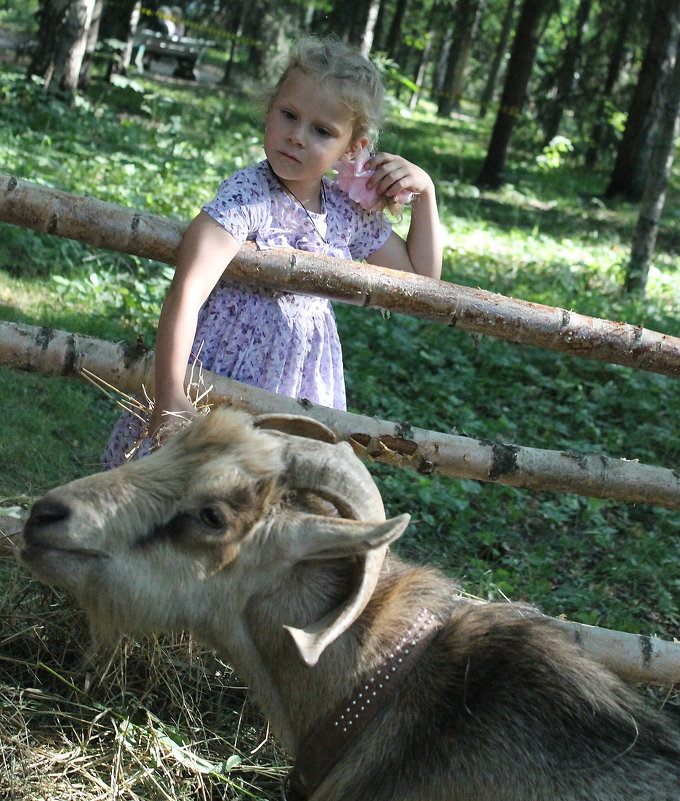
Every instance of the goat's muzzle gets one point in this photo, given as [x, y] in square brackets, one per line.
[50, 551]
[45, 511]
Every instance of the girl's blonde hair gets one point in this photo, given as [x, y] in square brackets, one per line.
[356, 80]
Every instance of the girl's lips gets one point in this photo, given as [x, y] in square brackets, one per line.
[289, 156]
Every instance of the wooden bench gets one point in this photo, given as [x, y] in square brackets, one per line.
[185, 50]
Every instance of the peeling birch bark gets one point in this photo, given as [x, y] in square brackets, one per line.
[56, 352]
[636, 658]
[106, 225]
[89, 220]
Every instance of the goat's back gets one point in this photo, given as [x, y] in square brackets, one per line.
[502, 708]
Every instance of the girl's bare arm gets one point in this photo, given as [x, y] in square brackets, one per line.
[204, 253]
[422, 251]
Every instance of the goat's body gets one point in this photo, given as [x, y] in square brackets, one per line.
[500, 707]
[204, 536]
[499, 710]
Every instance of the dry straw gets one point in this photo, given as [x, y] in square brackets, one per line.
[196, 391]
[156, 719]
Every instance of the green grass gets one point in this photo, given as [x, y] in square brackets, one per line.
[68, 425]
[546, 237]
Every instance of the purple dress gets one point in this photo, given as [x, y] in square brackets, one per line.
[279, 341]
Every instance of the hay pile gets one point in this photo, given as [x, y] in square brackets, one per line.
[156, 719]
[159, 719]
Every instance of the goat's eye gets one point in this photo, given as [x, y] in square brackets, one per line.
[212, 517]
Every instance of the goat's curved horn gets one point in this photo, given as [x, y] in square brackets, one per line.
[306, 427]
[335, 473]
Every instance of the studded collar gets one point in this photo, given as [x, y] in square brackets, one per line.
[328, 741]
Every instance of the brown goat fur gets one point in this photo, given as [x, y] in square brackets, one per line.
[214, 534]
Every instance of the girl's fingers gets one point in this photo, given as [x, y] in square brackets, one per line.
[393, 174]
[395, 181]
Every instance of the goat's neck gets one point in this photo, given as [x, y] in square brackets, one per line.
[244, 654]
[304, 695]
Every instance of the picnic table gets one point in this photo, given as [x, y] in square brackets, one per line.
[186, 50]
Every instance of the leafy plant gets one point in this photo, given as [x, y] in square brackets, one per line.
[546, 237]
[554, 152]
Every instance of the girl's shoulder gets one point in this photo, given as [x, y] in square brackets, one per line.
[336, 199]
[242, 205]
[250, 183]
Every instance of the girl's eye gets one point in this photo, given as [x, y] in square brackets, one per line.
[323, 132]
[287, 114]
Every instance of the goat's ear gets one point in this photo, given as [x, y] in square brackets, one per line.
[333, 538]
[322, 537]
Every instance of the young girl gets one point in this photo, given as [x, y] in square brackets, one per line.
[324, 109]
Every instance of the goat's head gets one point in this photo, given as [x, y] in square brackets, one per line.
[223, 508]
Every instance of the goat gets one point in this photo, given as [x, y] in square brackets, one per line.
[380, 678]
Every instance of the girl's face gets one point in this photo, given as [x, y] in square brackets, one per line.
[307, 130]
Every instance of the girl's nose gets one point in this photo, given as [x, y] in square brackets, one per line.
[295, 136]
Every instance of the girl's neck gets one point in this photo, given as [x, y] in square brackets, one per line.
[310, 197]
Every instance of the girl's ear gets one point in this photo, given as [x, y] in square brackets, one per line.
[356, 147]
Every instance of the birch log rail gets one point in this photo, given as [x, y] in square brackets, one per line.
[635, 657]
[106, 225]
[54, 352]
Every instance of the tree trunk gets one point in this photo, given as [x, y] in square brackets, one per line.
[514, 91]
[92, 37]
[236, 34]
[424, 59]
[369, 28]
[626, 16]
[467, 18]
[55, 352]
[273, 27]
[632, 160]
[566, 74]
[62, 39]
[654, 196]
[105, 225]
[120, 21]
[421, 69]
[492, 77]
[394, 33]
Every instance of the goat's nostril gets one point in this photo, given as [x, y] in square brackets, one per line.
[47, 511]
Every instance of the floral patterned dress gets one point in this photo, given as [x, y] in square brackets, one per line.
[279, 341]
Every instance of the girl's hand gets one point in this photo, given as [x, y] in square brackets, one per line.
[394, 174]
[169, 415]
[422, 251]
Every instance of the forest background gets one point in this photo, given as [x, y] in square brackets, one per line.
[544, 170]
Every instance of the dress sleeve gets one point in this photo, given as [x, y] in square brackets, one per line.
[372, 231]
[239, 204]
[362, 232]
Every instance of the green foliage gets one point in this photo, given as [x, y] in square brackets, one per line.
[572, 555]
[392, 75]
[544, 237]
[50, 427]
[553, 153]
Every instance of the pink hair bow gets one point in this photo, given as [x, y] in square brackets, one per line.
[352, 178]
